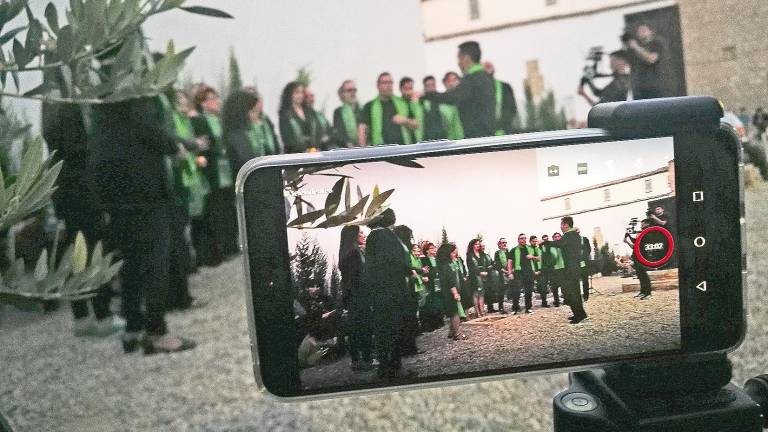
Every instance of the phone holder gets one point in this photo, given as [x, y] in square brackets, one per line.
[681, 396]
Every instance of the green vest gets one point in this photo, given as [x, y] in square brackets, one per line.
[451, 122]
[261, 139]
[223, 168]
[377, 120]
[192, 178]
[499, 103]
[418, 284]
[349, 119]
[529, 251]
[418, 113]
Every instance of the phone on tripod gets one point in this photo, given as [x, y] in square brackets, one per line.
[304, 219]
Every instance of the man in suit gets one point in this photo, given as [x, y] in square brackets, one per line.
[571, 247]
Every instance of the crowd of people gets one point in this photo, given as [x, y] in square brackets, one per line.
[393, 288]
[153, 177]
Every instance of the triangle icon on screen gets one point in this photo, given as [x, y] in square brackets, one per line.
[702, 286]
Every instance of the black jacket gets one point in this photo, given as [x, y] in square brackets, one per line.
[476, 100]
[571, 246]
[127, 150]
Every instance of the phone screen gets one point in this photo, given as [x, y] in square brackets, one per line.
[483, 279]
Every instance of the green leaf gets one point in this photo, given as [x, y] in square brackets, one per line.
[19, 54]
[10, 34]
[41, 269]
[79, 254]
[375, 191]
[211, 12]
[377, 201]
[34, 38]
[307, 218]
[30, 166]
[348, 197]
[406, 163]
[359, 193]
[52, 17]
[345, 217]
[332, 202]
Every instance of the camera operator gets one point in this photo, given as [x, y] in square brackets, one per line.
[640, 270]
[618, 89]
[645, 53]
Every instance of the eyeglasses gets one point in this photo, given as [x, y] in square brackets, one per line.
[351, 90]
[386, 82]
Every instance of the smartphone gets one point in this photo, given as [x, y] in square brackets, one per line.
[481, 281]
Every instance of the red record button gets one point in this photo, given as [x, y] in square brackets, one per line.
[654, 246]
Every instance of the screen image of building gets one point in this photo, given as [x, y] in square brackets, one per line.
[603, 210]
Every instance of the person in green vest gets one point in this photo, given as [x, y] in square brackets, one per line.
[409, 328]
[555, 277]
[478, 275]
[248, 132]
[346, 117]
[408, 93]
[220, 229]
[505, 113]
[474, 95]
[298, 125]
[322, 132]
[431, 314]
[525, 268]
[190, 188]
[450, 113]
[451, 278]
[503, 265]
[433, 120]
[387, 119]
[537, 261]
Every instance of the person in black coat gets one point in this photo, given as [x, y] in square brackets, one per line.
[571, 247]
[247, 132]
[75, 202]
[386, 266]
[356, 297]
[127, 150]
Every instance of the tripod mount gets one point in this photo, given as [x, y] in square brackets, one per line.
[692, 395]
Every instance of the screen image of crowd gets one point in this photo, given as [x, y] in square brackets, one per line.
[407, 305]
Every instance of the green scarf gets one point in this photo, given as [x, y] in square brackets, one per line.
[418, 284]
[418, 113]
[452, 122]
[474, 69]
[349, 119]
[223, 167]
[502, 254]
[377, 120]
[499, 102]
[261, 139]
[529, 251]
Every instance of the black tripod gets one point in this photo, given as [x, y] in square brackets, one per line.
[694, 395]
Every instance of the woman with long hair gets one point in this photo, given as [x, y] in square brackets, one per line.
[477, 275]
[297, 125]
[431, 314]
[355, 297]
[450, 279]
[248, 133]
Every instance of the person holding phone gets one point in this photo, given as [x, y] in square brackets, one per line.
[451, 279]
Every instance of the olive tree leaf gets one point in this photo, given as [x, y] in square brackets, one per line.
[52, 18]
[202, 10]
[41, 268]
[359, 193]
[19, 54]
[377, 202]
[348, 197]
[10, 34]
[332, 202]
[307, 218]
[405, 163]
[79, 254]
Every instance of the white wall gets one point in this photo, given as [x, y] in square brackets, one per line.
[560, 46]
[443, 17]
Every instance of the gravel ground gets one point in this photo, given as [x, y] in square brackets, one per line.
[50, 380]
[619, 324]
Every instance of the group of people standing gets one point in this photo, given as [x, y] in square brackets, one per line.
[393, 289]
[475, 105]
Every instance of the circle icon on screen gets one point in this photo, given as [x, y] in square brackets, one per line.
[654, 246]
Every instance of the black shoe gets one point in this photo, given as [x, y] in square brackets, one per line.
[528, 311]
[638, 295]
[130, 342]
[503, 312]
[571, 318]
[544, 305]
[645, 297]
[579, 319]
[557, 304]
[152, 345]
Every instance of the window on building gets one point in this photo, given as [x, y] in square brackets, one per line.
[550, 2]
[474, 9]
[607, 195]
[567, 203]
[729, 52]
[648, 185]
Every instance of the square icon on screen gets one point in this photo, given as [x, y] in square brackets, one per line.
[698, 196]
